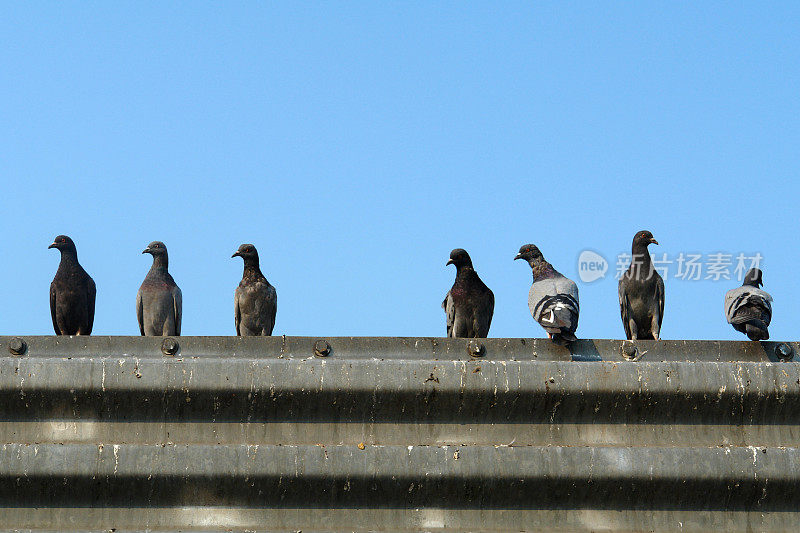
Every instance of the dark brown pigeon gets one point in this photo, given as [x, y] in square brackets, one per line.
[641, 292]
[469, 304]
[255, 300]
[159, 301]
[749, 308]
[72, 292]
[552, 298]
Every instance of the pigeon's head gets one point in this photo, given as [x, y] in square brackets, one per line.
[643, 238]
[63, 243]
[156, 249]
[530, 253]
[246, 251]
[459, 257]
[753, 278]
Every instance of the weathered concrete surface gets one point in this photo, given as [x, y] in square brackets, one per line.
[404, 348]
[398, 434]
[395, 402]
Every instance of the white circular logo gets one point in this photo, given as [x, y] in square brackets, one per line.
[591, 266]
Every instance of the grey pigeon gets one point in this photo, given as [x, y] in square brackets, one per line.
[72, 292]
[469, 304]
[553, 298]
[256, 301]
[159, 301]
[748, 308]
[641, 292]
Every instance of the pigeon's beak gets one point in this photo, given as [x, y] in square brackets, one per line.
[653, 241]
[518, 256]
[236, 254]
[146, 251]
[449, 262]
[54, 245]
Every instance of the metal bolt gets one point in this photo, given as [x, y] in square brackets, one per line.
[629, 351]
[783, 351]
[17, 346]
[322, 349]
[169, 346]
[475, 348]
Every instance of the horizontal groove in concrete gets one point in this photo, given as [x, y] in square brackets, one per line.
[336, 477]
[310, 520]
[399, 434]
[249, 401]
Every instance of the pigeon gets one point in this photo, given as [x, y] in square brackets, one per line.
[159, 300]
[256, 301]
[469, 304]
[72, 292]
[641, 292]
[748, 308]
[553, 298]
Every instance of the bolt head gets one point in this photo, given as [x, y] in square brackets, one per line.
[629, 350]
[169, 346]
[17, 346]
[475, 348]
[783, 351]
[322, 348]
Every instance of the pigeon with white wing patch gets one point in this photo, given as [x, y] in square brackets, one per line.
[552, 299]
[749, 308]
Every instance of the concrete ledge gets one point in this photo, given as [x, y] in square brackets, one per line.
[398, 434]
[401, 348]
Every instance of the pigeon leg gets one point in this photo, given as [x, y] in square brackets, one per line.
[654, 327]
[633, 328]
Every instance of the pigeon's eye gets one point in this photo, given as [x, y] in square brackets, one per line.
[63, 240]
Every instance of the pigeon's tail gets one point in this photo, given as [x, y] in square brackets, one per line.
[560, 316]
[753, 321]
[756, 330]
[563, 339]
[568, 336]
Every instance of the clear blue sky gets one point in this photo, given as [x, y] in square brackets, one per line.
[356, 144]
